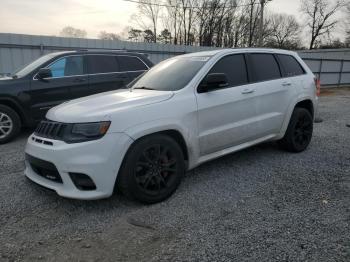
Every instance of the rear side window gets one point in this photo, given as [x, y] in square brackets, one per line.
[102, 64]
[290, 65]
[131, 63]
[234, 67]
[68, 66]
[265, 67]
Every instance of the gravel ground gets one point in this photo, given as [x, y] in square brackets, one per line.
[261, 204]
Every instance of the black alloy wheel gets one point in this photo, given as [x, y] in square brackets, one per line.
[299, 132]
[152, 169]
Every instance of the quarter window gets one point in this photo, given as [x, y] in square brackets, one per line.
[102, 64]
[234, 67]
[290, 65]
[265, 67]
[68, 66]
[130, 63]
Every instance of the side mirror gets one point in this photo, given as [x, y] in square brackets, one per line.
[213, 81]
[44, 73]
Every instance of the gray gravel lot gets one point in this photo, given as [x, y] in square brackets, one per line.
[260, 204]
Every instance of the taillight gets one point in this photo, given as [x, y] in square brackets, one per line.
[318, 86]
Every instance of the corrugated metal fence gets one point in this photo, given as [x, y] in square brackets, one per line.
[332, 72]
[17, 50]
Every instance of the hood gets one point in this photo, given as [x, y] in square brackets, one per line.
[100, 107]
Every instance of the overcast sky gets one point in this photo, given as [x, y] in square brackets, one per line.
[48, 17]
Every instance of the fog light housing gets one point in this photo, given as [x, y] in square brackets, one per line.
[82, 181]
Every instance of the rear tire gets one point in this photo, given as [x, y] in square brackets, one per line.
[299, 131]
[152, 169]
[10, 124]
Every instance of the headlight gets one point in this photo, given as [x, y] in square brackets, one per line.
[86, 132]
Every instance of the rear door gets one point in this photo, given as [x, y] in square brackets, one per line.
[68, 79]
[104, 73]
[133, 65]
[273, 92]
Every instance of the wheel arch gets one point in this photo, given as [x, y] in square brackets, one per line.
[306, 104]
[16, 107]
[172, 133]
[302, 102]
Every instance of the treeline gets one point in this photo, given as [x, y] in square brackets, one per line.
[233, 23]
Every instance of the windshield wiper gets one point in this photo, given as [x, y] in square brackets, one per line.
[14, 76]
[144, 87]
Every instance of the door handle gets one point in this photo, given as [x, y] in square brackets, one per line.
[79, 80]
[286, 84]
[248, 91]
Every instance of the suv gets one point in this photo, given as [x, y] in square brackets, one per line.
[184, 111]
[57, 77]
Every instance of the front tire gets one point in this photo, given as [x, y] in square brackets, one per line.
[299, 131]
[10, 124]
[152, 169]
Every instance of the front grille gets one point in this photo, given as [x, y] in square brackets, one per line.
[44, 168]
[50, 129]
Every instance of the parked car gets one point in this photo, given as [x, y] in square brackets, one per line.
[26, 96]
[182, 112]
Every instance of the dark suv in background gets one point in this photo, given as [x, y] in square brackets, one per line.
[29, 93]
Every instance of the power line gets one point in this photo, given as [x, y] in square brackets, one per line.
[188, 7]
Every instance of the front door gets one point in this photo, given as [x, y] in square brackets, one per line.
[227, 117]
[68, 78]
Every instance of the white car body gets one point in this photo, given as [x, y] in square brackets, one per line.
[211, 124]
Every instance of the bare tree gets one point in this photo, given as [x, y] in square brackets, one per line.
[347, 25]
[149, 10]
[221, 23]
[319, 16]
[108, 36]
[283, 31]
[70, 31]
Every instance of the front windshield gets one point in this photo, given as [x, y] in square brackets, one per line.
[23, 71]
[172, 74]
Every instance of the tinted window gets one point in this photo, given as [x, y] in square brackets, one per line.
[234, 67]
[172, 74]
[130, 63]
[290, 65]
[102, 64]
[265, 67]
[68, 66]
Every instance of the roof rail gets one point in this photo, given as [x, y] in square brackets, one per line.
[101, 49]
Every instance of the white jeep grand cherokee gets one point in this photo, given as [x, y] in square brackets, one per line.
[184, 111]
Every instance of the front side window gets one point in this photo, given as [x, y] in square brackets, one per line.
[234, 67]
[265, 67]
[290, 65]
[131, 63]
[98, 64]
[68, 66]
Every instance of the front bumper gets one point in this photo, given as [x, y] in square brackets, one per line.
[99, 159]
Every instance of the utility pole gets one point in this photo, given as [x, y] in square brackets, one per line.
[261, 26]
